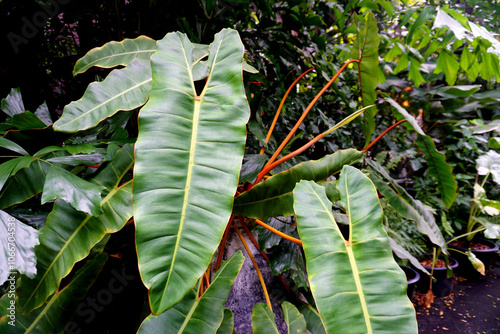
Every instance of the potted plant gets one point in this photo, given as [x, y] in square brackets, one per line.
[441, 269]
[478, 253]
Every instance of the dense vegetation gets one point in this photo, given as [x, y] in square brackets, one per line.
[121, 185]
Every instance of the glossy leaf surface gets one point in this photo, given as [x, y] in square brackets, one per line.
[357, 285]
[53, 316]
[365, 49]
[68, 234]
[123, 89]
[198, 315]
[406, 205]
[116, 53]
[187, 167]
[263, 320]
[273, 197]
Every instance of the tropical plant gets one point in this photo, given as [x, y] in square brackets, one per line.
[187, 169]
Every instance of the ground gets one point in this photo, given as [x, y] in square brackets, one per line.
[472, 308]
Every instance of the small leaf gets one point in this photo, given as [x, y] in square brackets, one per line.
[10, 145]
[476, 263]
[227, 325]
[13, 103]
[78, 159]
[27, 120]
[82, 195]
[11, 167]
[263, 320]
[448, 65]
[294, 320]
[426, 14]
[43, 114]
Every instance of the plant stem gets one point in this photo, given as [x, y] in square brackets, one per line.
[271, 128]
[256, 244]
[275, 231]
[304, 114]
[382, 135]
[223, 243]
[264, 289]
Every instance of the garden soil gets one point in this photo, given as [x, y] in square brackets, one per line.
[472, 308]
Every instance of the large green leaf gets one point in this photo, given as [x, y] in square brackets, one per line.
[82, 195]
[365, 49]
[57, 311]
[439, 169]
[273, 197]
[188, 157]
[11, 167]
[357, 285]
[68, 234]
[406, 205]
[16, 247]
[116, 53]
[198, 315]
[263, 320]
[123, 89]
[436, 161]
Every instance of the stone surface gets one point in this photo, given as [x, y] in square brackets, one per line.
[247, 290]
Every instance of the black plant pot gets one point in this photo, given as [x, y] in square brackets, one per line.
[412, 277]
[443, 286]
[486, 256]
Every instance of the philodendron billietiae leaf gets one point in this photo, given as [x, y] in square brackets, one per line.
[359, 272]
[188, 157]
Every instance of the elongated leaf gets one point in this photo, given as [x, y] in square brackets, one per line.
[365, 49]
[426, 14]
[263, 320]
[12, 146]
[16, 247]
[27, 120]
[11, 167]
[198, 315]
[439, 169]
[314, 324]
[13, 103]
[68, 234]
[123, 89]
[78, 159]
[82, 195]
[116, 53]
[405, 255]
[227, 325]
[25, 184]
[274, 197]
[407, 206]
[54, 315]
[294, 320]
[189, 153]
[436, 161]
[357, 285]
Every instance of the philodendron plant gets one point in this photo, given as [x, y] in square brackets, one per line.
[186, 164]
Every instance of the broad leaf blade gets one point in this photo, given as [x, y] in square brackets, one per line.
[273, 197]
[55, 314]
[365, 49]
[82, 195]
[406, 205]
[189, 153]
[198, 315]
[17, 243]
[11, 167]
[359, 272]
[68, 234]
[123, 89]
[13, 103]
[263, 320]
[439, 169]
[116, 53]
